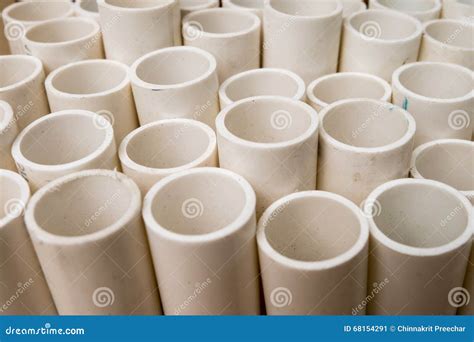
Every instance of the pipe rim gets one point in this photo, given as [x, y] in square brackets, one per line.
[245, 216]
[7, 12]
[24, 194]
[320, 265]
[436, 7]
[19, 157]
[41, 25]
[418, 26]
[435, 143]
[198, 7]
[49, 82]
[190, 18]
[222, 129]
[135, 79]
[340, 75]
[396, 83]
[132, 211]
[445, 45]
[106, 4]
[300, 93]
[130, 163]
[336, 12]
[398, 247]
[402, 141]
[38, 70]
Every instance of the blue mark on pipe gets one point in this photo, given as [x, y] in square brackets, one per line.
[405, 104]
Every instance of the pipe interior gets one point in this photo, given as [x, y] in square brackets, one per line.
[383, 25]
[366, 124]
[268, 121]
[452, 33]
[261, 83]
[83, 206]
[313, 229]
[305, 7]
[137, 3]
[168, 146]
[40, 11]
[424, 79]
[11, 191]
[409, 5]
[223, 22]
[449, 163]
[89, 78]
[14, 70]
[342, 87]
[173, 67]
[249, 3]
[420, 215]
[198, 203]
[89, 6]
[62, 139]
[61, 31]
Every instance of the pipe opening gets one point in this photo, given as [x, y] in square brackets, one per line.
[453, 33]
[384, 25]
[14, 69]
[137, 3]
[409, 5]
[305, 7]
[218, 21]
[35, 11]
[61, 31]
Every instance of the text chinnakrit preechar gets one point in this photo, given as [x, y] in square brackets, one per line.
[430, 328]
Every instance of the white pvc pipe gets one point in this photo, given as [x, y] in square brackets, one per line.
[22, 86]
[441, 109]
[93, 244]
[421, 234]
[201, 227]
[423, 10]
[458, 9]
[370, 36]
[350, 7]
[254, 6]
[188, 6]
[347, 85]
[231, 36]
[133, 28]
[62, 41]
[24, 289]
[100, 86]
[313, 255]
[88, 9]
[260, 82]
[176, 82]
[449, 41]
[272, 141]
[62, 143]
[19, 16]
[8, 132]
[368, 142]
[159, 149]
[302, 36]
